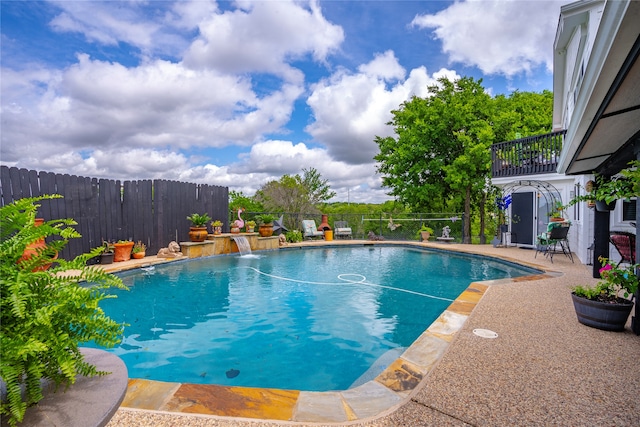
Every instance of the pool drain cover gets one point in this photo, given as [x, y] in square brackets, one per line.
[485, 333]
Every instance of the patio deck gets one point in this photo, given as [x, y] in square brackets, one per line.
[543, 369]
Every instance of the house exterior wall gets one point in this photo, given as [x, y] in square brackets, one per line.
[581, 216]
[587, 51]
[574, 42]
[578, 28]
[581, 233]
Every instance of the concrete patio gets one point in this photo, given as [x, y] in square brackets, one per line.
[544, 368]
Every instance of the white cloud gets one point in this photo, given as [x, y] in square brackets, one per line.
[505, 37]
[110, 24]
[350, 109]
[269, 160]
[158, 87]
[264, 36]
[188, 14]
[276, 158]
[156, 104]
[384, 66]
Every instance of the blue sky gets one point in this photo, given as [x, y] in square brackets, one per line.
[241, 93]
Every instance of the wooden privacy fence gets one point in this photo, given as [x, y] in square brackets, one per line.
[152, 211]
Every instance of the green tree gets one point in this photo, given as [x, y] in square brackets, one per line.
[285, 195]
[441, 156]
[318, 188]
[295, 194]
[237, 200]
[523, 114]
[442, 152]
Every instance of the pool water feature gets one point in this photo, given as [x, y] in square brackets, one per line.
[313, 319]
[243, 245]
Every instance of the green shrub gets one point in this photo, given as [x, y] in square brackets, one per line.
[294, 236]
[46, 313]
[589, 293]
[265, 218]
[199, 220]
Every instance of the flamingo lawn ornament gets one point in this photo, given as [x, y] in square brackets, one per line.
[239, 222]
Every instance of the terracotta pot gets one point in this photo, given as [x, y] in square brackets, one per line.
[38, 245]
[266, 230]
[122, 251]
[217, 230]
[198, 234]
[235, 230]
[138, 255]
[553, 219]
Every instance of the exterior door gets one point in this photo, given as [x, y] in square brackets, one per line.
[522, 218]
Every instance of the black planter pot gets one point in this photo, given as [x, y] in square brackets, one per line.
[602, 206]
[601, 315]
[106, 258]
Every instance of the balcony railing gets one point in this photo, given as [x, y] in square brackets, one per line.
[527, 156]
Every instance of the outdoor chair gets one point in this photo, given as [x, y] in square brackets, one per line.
[341, 230]
[625, 244]
[554, 241]
[309, 229]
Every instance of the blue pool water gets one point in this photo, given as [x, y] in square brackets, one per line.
[313, 319]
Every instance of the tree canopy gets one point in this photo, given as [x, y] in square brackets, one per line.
[238, 200]
[441, 156]
[295, 194]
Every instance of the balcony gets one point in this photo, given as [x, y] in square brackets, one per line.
[527, 156]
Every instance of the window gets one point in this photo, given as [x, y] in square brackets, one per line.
[629, 210]
[576, 207]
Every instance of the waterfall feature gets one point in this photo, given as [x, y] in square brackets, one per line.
[243, 245]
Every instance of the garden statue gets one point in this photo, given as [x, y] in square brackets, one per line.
[239, 223]
[373, 236]
[392, 225]
[173, 251]
[445, 235]
[278, 226]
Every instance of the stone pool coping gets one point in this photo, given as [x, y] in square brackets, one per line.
[392, 388]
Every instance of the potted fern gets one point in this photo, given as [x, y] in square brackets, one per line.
[46, 315]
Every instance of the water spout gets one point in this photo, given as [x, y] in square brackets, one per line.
[243, 245]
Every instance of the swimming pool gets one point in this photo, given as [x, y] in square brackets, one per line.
[313, 319]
